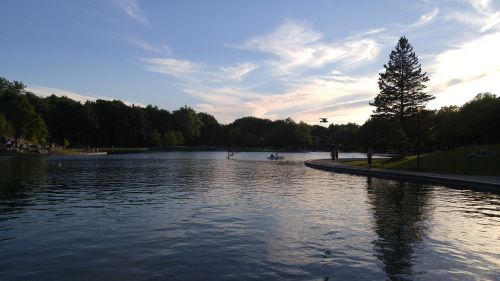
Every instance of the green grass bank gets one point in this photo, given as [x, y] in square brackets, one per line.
[471, 160]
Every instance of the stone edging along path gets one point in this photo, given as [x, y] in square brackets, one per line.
[492, 183]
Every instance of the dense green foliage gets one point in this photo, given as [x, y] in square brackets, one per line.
[18, 114]
[103, 123]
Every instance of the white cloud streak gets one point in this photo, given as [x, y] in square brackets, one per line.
[171, 66]
[238, 71]
[483, 16]
[132, 9]
[162, 49]
[191, 71]
[425, 18]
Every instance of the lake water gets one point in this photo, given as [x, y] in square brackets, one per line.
[199, 216]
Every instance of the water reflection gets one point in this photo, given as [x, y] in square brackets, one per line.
[399, 216]
[18, 172]
[194, 216]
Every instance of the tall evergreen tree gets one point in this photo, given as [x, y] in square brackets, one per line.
[401, 85]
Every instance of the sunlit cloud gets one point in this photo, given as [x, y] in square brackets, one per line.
[461, 68]
[303, 100]
[466, 61]
[238, 71]
[367, 33]
[304, 85]
[47, 91]
[425, 18]
[483, 15]
[299, 47]
[226, 103]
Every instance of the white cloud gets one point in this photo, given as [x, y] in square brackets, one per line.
[425, 18]
[191, 71]
[163, 49]
[171, 66]
[47, 91]
[298, 47]
[482, 6]
[367, 33]
[226, 103]
[340, 97]
[132, 9]
[484, 16]
[490, 17]
[460, 73]
[307, 99]
[238, 71]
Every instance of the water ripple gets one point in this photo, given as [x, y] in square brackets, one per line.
[183, 216]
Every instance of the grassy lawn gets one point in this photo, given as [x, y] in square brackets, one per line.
[456, 161]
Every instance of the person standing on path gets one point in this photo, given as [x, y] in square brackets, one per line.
[369, 155]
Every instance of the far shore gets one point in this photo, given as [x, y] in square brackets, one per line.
[128, 150]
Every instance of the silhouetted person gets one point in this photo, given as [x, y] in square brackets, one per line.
[369, 156]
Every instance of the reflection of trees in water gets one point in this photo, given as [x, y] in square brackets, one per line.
[399, 221]
[16, 173]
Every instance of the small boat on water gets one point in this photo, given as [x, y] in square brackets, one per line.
[275, 157]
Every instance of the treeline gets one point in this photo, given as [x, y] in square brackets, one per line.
[477, 122]
[63, 121]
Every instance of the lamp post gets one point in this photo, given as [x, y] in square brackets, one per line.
[419, 136]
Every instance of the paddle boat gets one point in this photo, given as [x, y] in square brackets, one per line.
[275, 157]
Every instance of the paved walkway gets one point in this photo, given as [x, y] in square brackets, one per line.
[462, 180]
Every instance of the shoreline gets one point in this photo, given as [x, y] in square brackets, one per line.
[483, 182]
[132, 150]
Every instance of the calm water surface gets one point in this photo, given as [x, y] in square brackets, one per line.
[199, 216]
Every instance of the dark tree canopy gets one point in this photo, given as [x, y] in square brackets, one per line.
[105, 123]
[19, 114]
[402, 85]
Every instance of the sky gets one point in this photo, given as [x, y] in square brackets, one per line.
[235, 58]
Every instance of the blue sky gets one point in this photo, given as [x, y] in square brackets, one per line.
[272, 59]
